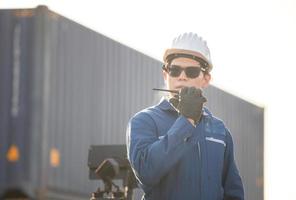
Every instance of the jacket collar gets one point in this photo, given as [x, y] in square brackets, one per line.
[165, 105]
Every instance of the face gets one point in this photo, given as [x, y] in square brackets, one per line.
[176, 83]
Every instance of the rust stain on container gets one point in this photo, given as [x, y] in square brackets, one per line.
[13, 154]
[54, 157]
[24, 13]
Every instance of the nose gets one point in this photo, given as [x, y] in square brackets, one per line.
[182, 76]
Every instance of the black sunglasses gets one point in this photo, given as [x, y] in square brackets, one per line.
[191, 72]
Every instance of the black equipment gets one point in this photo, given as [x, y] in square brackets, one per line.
[108, 163]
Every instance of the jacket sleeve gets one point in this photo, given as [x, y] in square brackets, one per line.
[232, 182]
[152, 157]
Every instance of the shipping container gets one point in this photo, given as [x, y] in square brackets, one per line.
[64, 87]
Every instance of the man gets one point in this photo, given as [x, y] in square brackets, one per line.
[178, 149]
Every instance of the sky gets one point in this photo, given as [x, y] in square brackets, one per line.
[252, 45]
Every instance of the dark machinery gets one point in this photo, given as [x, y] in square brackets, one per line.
[109, 163]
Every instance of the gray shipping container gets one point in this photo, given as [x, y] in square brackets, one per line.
[64, 87]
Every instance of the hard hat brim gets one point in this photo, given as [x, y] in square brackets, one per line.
[188, 52]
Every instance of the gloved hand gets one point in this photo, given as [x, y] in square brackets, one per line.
[190, 103]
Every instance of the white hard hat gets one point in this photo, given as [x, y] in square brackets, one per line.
[192, 46]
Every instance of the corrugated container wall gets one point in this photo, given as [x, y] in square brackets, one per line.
[65, 87]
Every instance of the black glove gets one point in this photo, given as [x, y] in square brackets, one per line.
[190, 103]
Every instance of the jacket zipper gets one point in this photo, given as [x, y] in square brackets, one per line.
[199, 155]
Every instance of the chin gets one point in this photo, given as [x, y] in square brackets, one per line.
[179, 88]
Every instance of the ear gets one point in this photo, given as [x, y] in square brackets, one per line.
[165, 76]
[206, 80]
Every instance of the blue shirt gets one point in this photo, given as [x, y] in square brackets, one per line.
[172, 159]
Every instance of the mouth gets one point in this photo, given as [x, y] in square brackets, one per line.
[179, 87]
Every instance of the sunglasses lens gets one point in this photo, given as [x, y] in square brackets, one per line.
[175, 71]
[192, 72]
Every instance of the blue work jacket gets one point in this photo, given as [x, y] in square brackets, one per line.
[172, 159]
